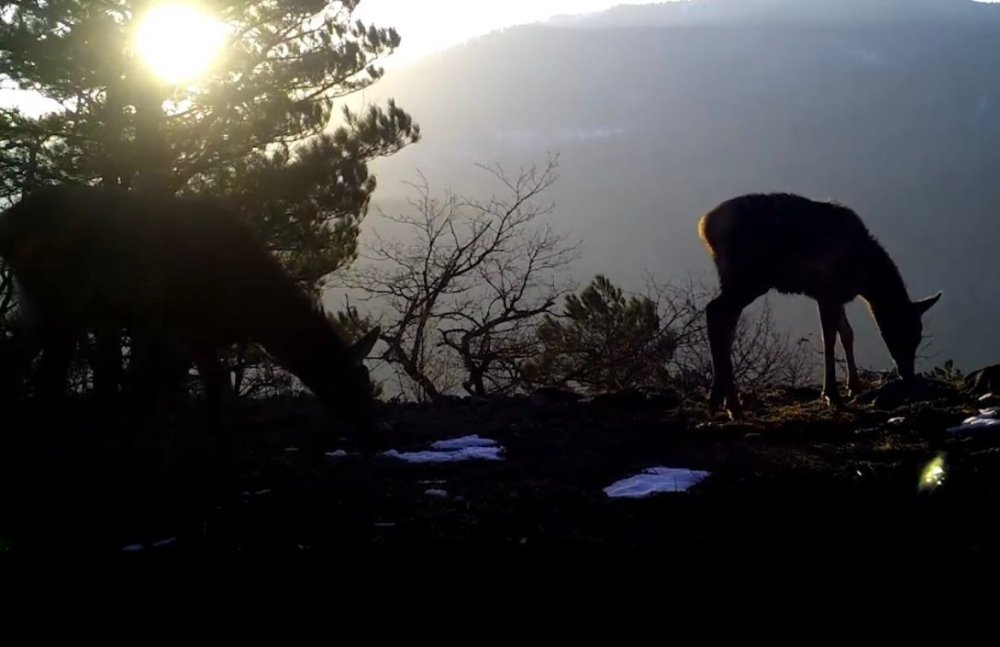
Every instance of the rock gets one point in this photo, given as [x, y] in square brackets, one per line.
[985, 380]
[631, 399]
[651, 400]
[662, 398]
[899, 392]
[553, 395]
[800, 394]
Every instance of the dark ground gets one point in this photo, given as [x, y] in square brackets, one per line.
[794, 479]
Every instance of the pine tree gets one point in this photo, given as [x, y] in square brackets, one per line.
[260, 127]
[603, 342]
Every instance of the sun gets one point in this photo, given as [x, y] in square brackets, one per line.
[178, 42]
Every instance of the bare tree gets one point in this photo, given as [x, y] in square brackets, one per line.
[459, 290]
[8, 297]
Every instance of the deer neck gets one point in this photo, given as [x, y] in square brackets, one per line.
[289, 325]
[882, 286]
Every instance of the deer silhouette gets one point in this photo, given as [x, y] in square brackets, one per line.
[796, 245]
[185, 271]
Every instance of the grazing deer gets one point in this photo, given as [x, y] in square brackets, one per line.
[800, 246]
[176, 270]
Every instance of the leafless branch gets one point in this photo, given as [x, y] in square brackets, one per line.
[463, 284]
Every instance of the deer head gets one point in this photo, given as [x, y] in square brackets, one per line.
[340, 380]
[902, 331]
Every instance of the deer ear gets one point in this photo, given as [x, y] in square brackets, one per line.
[359, 351]
[923, 305]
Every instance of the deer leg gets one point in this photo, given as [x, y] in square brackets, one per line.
[108, 362]
[214, 375]
[718, 319]
[215, 378]
[173, 362]
[16, 357]
[58, 346]
[723, 314]
[854, 383]
[830, 313]
[160, 366]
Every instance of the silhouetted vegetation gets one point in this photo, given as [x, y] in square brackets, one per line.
[659, 112]
[459, 291]
[260, 130]
[607, 341]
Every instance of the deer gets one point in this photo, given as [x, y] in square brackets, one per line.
[184, 272]
[800, 246]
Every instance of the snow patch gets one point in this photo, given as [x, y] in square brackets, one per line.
[163, 543]
[461, 443]
[655, 480]
[453, 450]
[986, 418]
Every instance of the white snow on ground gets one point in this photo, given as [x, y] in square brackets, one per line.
[986, 418]
[465, 454]
[163, 543]
[466, 448]
[461, 443]
[655, 480]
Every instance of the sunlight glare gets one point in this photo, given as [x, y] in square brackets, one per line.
[178, 42]
[933, 474]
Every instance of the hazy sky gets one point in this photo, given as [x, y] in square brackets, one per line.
[429, 25]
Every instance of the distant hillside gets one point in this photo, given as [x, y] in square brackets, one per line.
[742, 12]
[659, 112]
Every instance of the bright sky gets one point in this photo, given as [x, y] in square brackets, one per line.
[429, 25]
[425, 26]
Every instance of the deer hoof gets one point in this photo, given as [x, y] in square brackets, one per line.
[714, 403]
[833, 400]
[734, 407]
